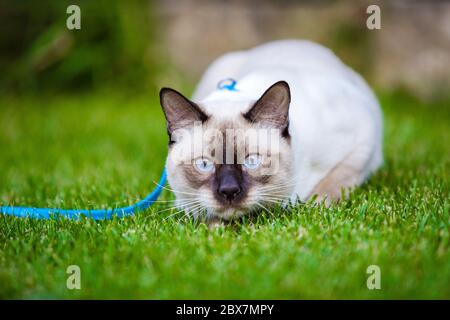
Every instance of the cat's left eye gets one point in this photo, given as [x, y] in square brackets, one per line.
[204, 165]
[253, 161]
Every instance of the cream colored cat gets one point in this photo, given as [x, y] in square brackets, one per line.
[327, 121]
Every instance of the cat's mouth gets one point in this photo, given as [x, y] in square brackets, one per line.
[228, 213]
[233, 210]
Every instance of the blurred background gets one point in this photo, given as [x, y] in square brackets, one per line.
[138, 46]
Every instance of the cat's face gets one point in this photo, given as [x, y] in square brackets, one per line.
[229, 164]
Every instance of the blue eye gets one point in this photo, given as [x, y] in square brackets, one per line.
[253, 161]
[204, 165]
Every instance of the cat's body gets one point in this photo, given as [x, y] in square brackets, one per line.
[334, 122]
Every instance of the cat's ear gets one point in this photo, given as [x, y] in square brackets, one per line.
[272, 108]
[179, 111]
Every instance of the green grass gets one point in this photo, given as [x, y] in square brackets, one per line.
[104, 150]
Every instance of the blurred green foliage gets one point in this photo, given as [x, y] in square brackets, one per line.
[116, 45]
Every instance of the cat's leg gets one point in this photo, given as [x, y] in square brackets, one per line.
[347, 174]
[340, 179]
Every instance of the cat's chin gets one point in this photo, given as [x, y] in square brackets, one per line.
[228, 213]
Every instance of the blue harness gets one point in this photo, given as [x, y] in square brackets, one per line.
[227, 84]
[102, 214]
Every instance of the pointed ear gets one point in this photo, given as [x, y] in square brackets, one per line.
[179, 111]
[272, 109]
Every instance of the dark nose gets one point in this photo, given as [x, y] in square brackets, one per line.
[229, 188]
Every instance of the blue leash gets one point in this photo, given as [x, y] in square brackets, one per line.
[75, 214]
[100, 214]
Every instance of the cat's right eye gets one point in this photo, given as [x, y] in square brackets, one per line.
[252, 161]
[204, 165]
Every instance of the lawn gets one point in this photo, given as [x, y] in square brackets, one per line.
[105, 150]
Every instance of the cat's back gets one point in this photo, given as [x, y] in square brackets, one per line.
[299, 62]
[268, 57]
[293, 54]
[323, 89]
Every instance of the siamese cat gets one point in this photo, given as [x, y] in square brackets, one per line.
[326, 121]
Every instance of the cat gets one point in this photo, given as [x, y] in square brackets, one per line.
[327, 120]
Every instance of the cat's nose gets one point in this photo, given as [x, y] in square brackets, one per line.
[229, 190]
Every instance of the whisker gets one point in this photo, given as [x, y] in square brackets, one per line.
[264, 208]
[276, 187]
[273, 196]
[175, 207]
[173, 190]
[187, 211]
[193, 206]
[191, 210]
[174, 200]
[272, 201]
[283, 183]
[276, 195]
[168, 217]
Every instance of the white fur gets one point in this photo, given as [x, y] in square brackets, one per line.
[334, 115]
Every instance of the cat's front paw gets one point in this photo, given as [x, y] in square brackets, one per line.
[328, 198]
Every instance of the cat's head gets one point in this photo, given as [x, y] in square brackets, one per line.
[229, 157]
